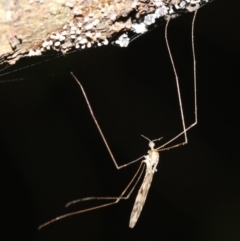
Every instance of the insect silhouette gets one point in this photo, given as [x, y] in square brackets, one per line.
[150, 160]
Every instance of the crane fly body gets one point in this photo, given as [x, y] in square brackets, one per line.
[151, 161]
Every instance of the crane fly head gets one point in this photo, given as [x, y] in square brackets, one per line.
[151, 145]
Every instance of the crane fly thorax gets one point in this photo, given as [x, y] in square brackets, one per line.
[153, 157]
[152, 160]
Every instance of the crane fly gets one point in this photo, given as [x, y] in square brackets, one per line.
[150, 160]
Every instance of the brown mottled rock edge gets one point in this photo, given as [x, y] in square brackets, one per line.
[30, 27]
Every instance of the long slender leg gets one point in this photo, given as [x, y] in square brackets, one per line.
[177, 82]
[99, 128]
[135, 178]
[161, 148]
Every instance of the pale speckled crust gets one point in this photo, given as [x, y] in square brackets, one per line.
[88, 23]
[151, 161]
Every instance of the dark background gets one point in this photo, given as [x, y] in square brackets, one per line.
[51, 151]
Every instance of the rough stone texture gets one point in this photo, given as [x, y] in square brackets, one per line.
[30, 27]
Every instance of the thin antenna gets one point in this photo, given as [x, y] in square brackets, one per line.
[152, 140]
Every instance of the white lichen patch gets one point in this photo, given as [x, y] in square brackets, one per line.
[123, 40]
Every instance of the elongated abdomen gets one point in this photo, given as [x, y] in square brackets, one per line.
[140, 199]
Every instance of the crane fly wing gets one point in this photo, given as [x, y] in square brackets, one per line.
[141, 198]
